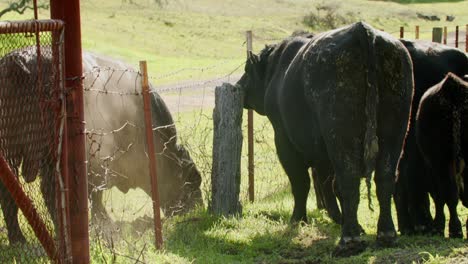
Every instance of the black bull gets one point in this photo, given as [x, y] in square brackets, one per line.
[431, 62]
[339, 105]
[117, 158]
[442, 136]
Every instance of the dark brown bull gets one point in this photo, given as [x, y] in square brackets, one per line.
[27, 126]
[179, 179]
[442, 136]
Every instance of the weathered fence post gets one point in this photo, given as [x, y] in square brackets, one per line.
[151, 154]
[227, 147]
[445, 36]
[466, 38]
[437, 35]
[250, 135]
[402, 32]
[416, 32]
[456, 37]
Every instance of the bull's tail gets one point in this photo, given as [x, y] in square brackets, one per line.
[371, 146]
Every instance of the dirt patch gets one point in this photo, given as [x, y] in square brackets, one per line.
[190, 95]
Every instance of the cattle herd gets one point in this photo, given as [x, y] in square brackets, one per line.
[346, 103]
[353, 101]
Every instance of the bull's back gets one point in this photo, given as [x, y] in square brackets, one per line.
[114, 121]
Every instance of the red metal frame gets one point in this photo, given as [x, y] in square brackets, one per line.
[69, 12]
[25, 204]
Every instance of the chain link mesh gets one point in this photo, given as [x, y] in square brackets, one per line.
[30, 122]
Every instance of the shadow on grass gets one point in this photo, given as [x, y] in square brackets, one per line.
[200, 239]
[209, 239]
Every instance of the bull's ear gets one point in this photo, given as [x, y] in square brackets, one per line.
[253, 59]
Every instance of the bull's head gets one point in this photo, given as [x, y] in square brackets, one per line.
[181, 191]
[255, 80]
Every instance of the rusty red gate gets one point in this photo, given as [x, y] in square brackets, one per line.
[32, 117]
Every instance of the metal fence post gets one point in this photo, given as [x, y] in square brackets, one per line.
[416, 32]
[456, 37]
[250, 134]
[151, 154]
[69, 12]
[402, 32]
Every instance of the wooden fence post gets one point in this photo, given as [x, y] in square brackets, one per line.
[466, 38]
[227, 148]
[445, 36]
[437, 34]
[250, 135]
[402, 32]
[151, 154]
[416, 32]
[456, 37]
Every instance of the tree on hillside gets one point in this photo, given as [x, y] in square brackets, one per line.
[20, 6]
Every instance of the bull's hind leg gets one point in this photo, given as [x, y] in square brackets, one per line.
[455, 227]
[10, 214]
[348, 182]
[323, 182]
[393, 113]
[98, 212]
[294, 166]
[48, 190]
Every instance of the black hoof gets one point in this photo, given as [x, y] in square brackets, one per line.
[437, 232]
[298, 220]
[455, 230]
[456, 234]
[423, 230]
[386, 239]
[361, 230]
[352, 247]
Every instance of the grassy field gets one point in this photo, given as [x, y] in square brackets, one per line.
[197, 40]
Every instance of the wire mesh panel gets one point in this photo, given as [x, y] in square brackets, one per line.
[31, 118]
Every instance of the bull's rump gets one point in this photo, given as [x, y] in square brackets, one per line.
[349, 75]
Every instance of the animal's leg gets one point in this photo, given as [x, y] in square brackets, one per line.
[439, 219]
[323, 178]
[455, 228]
[401, 202]
[384, 182]
[417, 193]
[294, 166]
[48, 190]
[10, 213]
[97, 207]
[319, 195]
[348, 181]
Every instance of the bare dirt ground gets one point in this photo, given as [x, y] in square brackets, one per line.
[191, 95]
